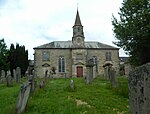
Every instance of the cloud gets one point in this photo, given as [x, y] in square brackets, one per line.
[36, 22]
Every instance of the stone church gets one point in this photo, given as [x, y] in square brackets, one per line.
[69, 58]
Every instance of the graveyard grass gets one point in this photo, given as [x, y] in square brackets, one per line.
[95, 98]
[8, 98]
[57, 98]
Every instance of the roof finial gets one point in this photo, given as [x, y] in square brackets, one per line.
[77, 5]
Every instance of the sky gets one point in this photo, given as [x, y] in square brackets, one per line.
[36, 22]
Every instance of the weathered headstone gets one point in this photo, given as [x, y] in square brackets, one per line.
[139, 90]
[14, 74]
[9, 79]
[113, 78]
[18, 75]
[23, 98]
[107, 68]
[94, 72]
[26, 73]
[106, 73]
[33, 82]
[87, 75]
[89, 70]
[3, 79]
[72, 86]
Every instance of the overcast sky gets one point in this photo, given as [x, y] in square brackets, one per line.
[37, 22]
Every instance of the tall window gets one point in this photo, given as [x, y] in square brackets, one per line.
[61, 63]
[45, 56]
[108, 56]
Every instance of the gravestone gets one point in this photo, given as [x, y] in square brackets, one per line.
[9, 79]
[94, 72]
[14, 74]
[88, 73]
[72, 86]
[33, 82]
[106, 73]
[89, 70]
[107, 69]
[23, 98]
[27, 74]
[18, 75]
[113, 78]
[139, 90]
[3, 79]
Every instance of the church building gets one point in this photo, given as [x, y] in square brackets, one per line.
[69, 58]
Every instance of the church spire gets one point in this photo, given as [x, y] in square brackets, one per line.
[77, 21]
[78, 34]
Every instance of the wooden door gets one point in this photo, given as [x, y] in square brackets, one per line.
[79, 71]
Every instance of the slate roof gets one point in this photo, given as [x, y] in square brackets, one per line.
[68, 44]
[77, 20]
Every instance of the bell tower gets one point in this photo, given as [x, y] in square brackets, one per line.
[78, 34]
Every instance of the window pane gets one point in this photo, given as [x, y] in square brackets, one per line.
[45, 56]
[61, 65]
[108, 56]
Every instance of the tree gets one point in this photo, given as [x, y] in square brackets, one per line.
[12, 57]
[4, 64]
[18, 57]
[132, 31]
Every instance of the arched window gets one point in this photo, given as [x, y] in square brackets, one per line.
[61, 64]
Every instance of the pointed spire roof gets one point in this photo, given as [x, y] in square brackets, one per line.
[77, 21]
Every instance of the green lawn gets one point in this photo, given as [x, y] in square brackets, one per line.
[95, 98]
[8, 98]
[56, 98]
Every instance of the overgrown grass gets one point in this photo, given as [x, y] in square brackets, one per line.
[121, 88]
[8, 98]
[95, 98]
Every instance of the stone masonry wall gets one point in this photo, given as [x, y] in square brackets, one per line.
[67, 53]
[101, 59]
[53, 62]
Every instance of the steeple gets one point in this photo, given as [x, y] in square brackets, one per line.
[78, 34]
[77, 21]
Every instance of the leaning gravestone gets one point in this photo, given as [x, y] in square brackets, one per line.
[139, 90]
[9, 79]
[23, 98]
[3, 79]
[14, 74]
[18, 75]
